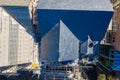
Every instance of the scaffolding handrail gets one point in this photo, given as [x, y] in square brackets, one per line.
[104, 66]
[106, 57]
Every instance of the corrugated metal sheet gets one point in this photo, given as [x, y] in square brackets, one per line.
[59, 44]
[68, 44]
[84, 47]
[15, 42]
[94, 5]
[21, 15]
[14, 2]
[50, 44]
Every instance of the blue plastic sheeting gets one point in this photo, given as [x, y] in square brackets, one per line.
[82, 17]
[21, 15]
[115, 63]
[81, 23]
[59, 44]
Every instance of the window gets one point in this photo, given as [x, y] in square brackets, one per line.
[114, 28]
[118, 27]
[113, 39]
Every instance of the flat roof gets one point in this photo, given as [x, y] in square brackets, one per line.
[14, 2]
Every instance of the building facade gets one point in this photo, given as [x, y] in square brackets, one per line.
[115, 32]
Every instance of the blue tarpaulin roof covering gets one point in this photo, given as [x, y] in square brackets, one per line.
[82, 17]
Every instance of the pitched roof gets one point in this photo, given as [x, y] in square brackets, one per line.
[59, 44]
[96, 5]
[14, 2]
[20, 14]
